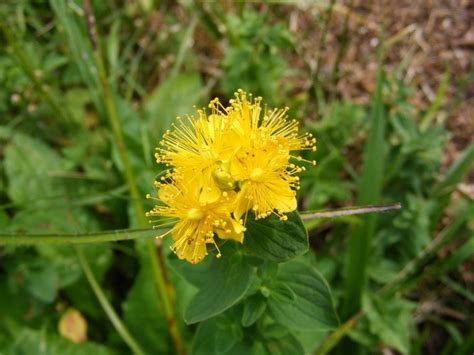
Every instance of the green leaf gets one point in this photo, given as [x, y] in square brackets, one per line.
[267, 270]
[42, 281]
[227, 335]
[276, 240]
[33, 342]
[283, 346]
[64, 261]
[194, 274]
[206, 340]
[312, 308]
[282, 293]
[254, 307]
[226, 282]
[16, 300]
[29, 167]
[174, 97]
[270, 329]
[391, 320]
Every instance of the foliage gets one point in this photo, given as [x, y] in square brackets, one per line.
[293, 287]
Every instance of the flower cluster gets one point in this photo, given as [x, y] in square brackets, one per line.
[222, 165]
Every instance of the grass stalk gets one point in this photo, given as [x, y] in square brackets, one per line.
[164, 289]
[109, 310]
[370, 189]
[185, 44]
[438, 101]
[455, 174]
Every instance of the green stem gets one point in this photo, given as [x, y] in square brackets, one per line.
[113, 317]
[309, 216]
[58, 239]
[164, 289]
[336, 336]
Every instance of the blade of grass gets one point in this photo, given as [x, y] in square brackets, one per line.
[86, 238]
[446, 264]
[399, 36]
[185, 44]
[454, 175]
[107, 307]
[458, 288]
[164, 289]
[456, 172]
[466, 251]
[438, 101]
[370, 189]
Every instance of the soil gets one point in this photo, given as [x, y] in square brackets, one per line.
[431, 37]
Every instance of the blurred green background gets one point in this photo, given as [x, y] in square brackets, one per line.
[389, 98]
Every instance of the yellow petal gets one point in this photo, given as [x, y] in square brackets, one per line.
[235, 231]
[285, 200]
[189, 244]
[210, 192]
[242, 203]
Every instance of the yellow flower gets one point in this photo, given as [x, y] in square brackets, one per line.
[262, 164]
[267, 180]
[222, 165]
[252, 123]
[197, 148]
[195, 223]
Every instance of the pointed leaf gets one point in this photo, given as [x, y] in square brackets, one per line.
[276, 240]
[312, 308]
[254, 307]
[226, 282]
